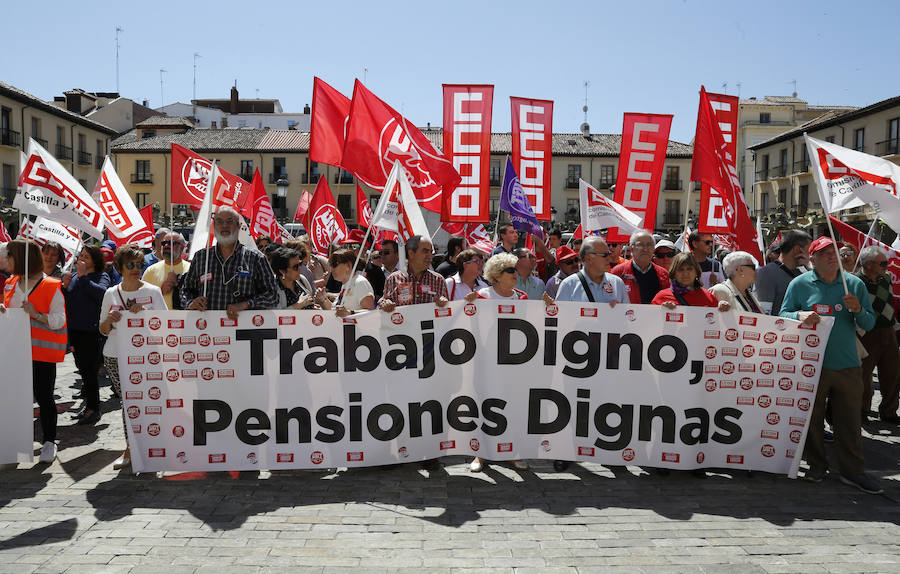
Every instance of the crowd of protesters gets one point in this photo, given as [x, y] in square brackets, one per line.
[78, 309]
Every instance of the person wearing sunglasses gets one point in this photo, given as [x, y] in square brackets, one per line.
[740, 268]
[163, 274]
[701, 245]
[567, 262]
[663, 253]
[643, 279]
[615, 253]
[132, 295]
[594, 283]
[881, 341]
[294, 290]
[848, 255]
[470, 264]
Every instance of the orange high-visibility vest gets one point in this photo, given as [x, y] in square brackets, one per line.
[47, 345]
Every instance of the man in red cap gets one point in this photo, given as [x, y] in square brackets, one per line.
[809, 297]
[643, 278]
[567, 261]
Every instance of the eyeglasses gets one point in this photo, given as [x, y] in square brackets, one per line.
[642, 246]
[664, 254]
[173, 243]
[882, 263]
[612, 244]
[295, 267]
[846, 255]
[510, 270]
[749, 266]
[132, 265]
[707, 241]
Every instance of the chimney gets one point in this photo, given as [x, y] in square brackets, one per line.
[306, 109]
[146, 103]
[234, 100]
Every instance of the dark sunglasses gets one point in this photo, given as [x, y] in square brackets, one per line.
[664, 254]
[573, 261]
[132, 265]
[510, 270]
[883, 264]
[613, 244]
[708, 241]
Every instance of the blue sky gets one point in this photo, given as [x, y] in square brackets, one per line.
[647, 56]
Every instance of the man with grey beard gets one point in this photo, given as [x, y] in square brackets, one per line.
[227, 276]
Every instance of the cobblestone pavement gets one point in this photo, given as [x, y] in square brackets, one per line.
[78, 515]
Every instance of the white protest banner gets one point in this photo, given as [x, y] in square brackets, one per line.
[635, 384]
[599, 212]
[42, 231]
[16, 414]
[48, 190]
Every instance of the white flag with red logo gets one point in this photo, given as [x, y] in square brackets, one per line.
[847, 178]
[397, 208]
[123, 220]
[363, 209]
[48, 190]
[219, 193]
[43, 231]
[599, 212]
[378, 136]
[326, 224]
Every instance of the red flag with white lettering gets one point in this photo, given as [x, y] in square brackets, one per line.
[859, 240]
[4, 234]
[363, 209]
[326, 224]
[713, 165]
[328, 124]
[378, 136]
[642, 157]
[190, 178]
[532, 151]
[262, 216]
[712, 201]
[123, 220]
[467, 142]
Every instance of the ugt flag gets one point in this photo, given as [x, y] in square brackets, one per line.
[847, 178]
[514, 201]
[326, 224]
[397, 209]
[49, 191]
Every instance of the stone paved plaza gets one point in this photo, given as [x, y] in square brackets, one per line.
[79, 515]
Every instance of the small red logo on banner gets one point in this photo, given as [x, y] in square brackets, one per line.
[354, 457]
[551, 310]
[745, 400]
[734, 459]
[226, 322]
[470, 309]
[221, 340]
[675, 317]
[504, 447]
[153, 410]
[764, 401]
[506, 309]
[137, 340]
[154, 323]
[767, 450]
[136, 360]
[201, 323]
[784, 402]
[156, 452]
[153, 429]
[218, 458]
[174, 403]
[397, 318]
[671, 457]
[287, 321]
[284, 457]
[731, 335]
[745, 320]
[225, 373]
[588, 312]
[746, 383]
[176, 324]
[172, 340]
[135, 322]
[133, 412]
[773, 418]
[258, 320]
[770, 337]
[768, 434]
[154, 393]
[585, 451]
[204, 340]
[134, 395]
[178, 431]
[442, 312]
[474, 444]
[316, 457]
[628, 455]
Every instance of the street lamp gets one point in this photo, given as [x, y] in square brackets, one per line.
[281, 187]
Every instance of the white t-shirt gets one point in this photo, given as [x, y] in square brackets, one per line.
[148, 295]
[357, 289]
[457, 290]
[491, 293]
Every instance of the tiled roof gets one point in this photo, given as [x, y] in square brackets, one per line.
[829, 119]
[166, 121]
[773, 101]
[34, 101]
[234, 140]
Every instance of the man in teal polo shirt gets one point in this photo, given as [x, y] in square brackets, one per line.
[810, 296]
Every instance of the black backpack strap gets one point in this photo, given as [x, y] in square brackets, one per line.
[587, 289]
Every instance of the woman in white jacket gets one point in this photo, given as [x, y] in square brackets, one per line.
[740, 269]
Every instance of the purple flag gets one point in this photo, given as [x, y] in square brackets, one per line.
[514, 201]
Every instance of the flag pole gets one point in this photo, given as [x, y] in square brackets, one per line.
[837, 252]
[497, 220]
[340, 297]
[687, 204]
[209, 217]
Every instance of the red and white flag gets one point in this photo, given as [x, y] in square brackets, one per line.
[642, 157]
[397, 209]
[328, 124]
[123, 220]
[847, 178]
[219, 193]
[859, 240]
[378, 136]
[43, 231]
[262, 216]
[714, 204]
[363, 209]
[467, 142]
[714, 165]
[190, 178]
[532, 151]
[4, 234]
[598, 212]
[49, 191]
[326, 224]
[473, 232]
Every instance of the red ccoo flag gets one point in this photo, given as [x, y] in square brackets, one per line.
[714, 165]
[328, 125]
[378, 136]
[363, 208]
[302, 208]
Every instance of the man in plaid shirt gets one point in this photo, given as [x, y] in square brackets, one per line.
[235, 278]
[418, 284]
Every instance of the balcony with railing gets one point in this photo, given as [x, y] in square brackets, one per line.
[762, 175]
[85, 158]
[63, 152]
[572, 182]
[10, 138]
[246, 175]
[801, 166]
[41, 142]
[672, 184]
[606, 183]
[343, 177]
[142, 177]
[495, 180]
[274, 177]
[98, 161]
[777, 171]
[307, 178]
[888, 147]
